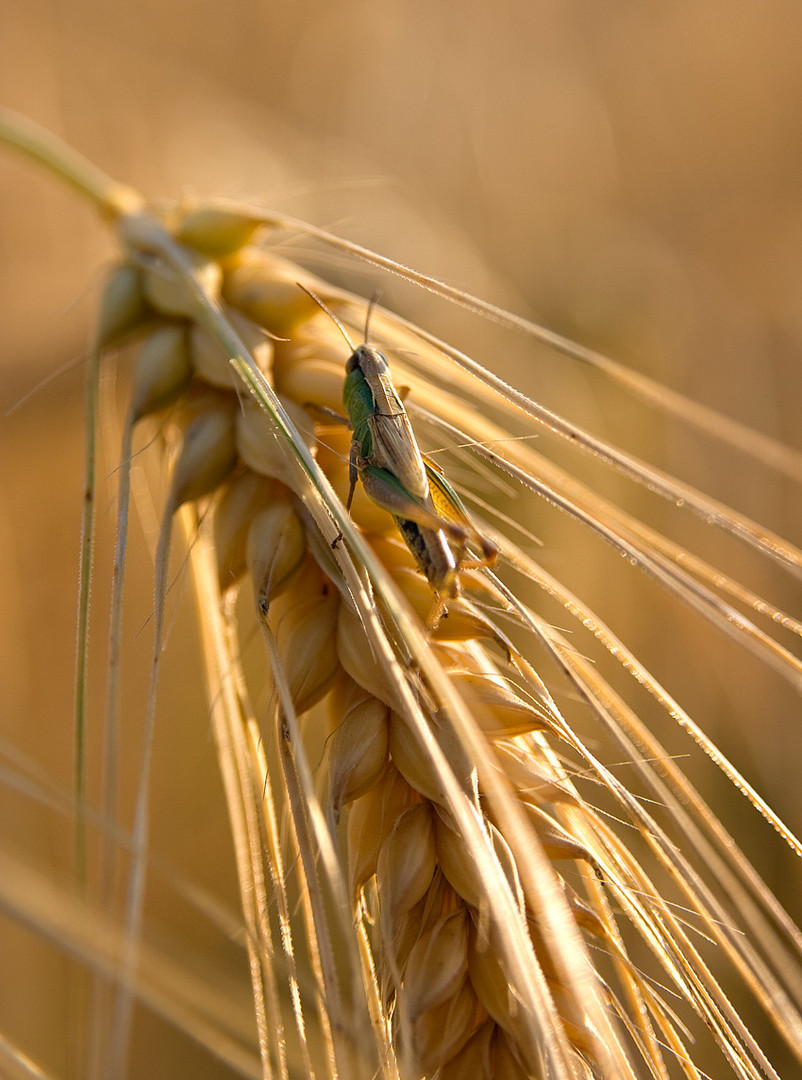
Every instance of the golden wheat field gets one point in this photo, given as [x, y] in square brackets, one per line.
[465, 742]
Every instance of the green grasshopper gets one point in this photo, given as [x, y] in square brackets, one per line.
[395, 475]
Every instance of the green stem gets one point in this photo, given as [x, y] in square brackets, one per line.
[110, 197]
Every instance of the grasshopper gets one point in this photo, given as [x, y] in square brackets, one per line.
[395, 475]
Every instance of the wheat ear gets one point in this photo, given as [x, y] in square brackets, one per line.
[459, 905]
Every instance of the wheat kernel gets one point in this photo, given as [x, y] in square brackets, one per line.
[506, 1064]
[217, 231]
[443, 1031]
[437, 964]
[245, 494]
[211, 360]
[276, 549]
[498, 711]
[458, 863]
[475, 1059]
[208, 453]
[304, 629]
[264, 450]
[358, 659]
[407, 862]
[123, 308]
[171, 295]
[493, 989]
[416, 764]
[265, 288]
[357, 747]
[370, 820]
[163, 369]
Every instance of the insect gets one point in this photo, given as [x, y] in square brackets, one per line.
[385, 457]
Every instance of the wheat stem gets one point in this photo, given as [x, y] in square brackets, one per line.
[43, 147]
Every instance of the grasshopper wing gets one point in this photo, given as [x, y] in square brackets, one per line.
[448, 506]
[395, 449]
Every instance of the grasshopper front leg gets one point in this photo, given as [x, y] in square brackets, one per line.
[353, 472]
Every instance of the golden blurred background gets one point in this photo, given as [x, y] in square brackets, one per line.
[629, 174]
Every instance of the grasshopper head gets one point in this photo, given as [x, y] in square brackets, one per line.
[370, 362]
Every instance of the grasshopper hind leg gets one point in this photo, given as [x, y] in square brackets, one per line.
[437, 614]
[436, 561]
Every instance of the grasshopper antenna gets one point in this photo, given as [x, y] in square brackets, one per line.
[330, 314]
[373, 302]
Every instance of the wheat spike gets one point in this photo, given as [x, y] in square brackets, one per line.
[474, 890]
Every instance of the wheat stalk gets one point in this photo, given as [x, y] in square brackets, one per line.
[440, 874]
